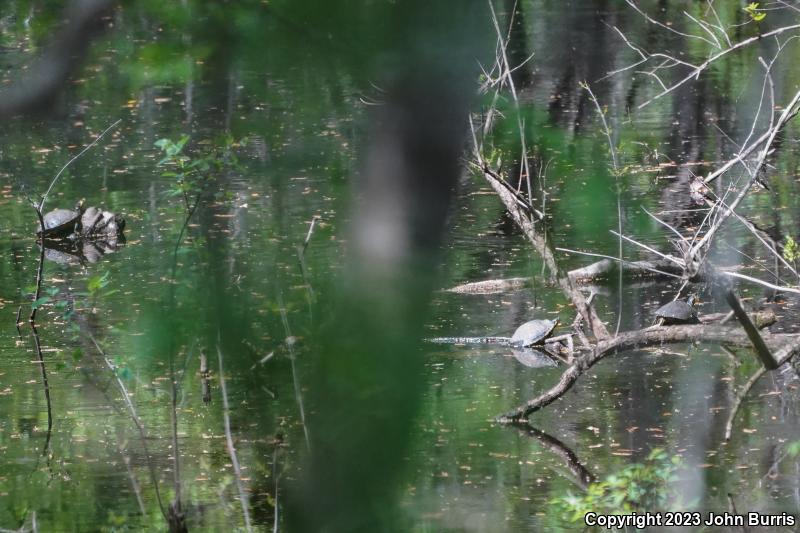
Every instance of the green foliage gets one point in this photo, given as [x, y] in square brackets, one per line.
[791, 251]
[51, 293]
[752, 10]
[793, 448]
[192, 174]
[40, 302]
[97, 282]
[639, 486]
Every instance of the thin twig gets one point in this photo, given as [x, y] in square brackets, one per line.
[613, 150]
[695, 73]
[55, 179]
[651, 20]
[506, 67]
[39, 272]
[314, 220]
[290, 341]
[761, 282]
[649, 249]
[789, 112]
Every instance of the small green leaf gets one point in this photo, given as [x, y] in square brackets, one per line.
[98, 282]
[794, 448]
[40, 302]
[752, 10]
[791, 251]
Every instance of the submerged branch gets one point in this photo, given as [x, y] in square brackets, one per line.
[136, 420]
[40, 207]
[39, 271]
[740, 396]
[46, 386]
[760, 346]
[231, 448]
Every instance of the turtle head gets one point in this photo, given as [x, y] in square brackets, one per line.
[693, 300]
[80, 206]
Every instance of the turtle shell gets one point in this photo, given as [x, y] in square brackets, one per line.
[677, 311]
[60, 222]
[533, 332]
[90, 219]
[101, 223]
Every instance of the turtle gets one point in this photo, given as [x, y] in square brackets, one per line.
[60, 223]
[679, 312]
[102, 223]
[90, 219]
[533, 332]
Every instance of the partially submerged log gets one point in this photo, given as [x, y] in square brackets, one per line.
[633, 269]
[490, 286]
[599, 270]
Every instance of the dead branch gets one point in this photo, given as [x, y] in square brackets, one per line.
[608, 265]
[505, 68]
[584, 275]
[696, 70]
[669, 28]
[788, 113]
[526, 224]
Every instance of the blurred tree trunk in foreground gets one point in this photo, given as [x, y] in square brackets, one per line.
[368, 372]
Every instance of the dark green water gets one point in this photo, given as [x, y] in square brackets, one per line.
[294, 115]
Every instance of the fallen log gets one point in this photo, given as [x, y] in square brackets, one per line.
[632, 269]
